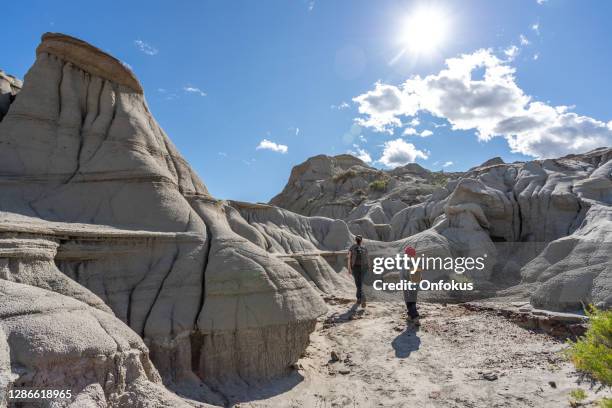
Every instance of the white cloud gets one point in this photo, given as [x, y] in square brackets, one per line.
[361, 154]
[447, 164]
[540, 2]
[222, 154]
[415, 122]
[192, 89]
[491, 104]
[511, 52]
[536, 56]
[266, 144]
[146, 48]
[426, 133]
[410, 131]
[524, 39]
[343, 105]
[398, 153]
[383, 105]
[353, 133]
[311, 5]
[536, 28]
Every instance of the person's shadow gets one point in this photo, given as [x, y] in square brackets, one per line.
[346, 316]
[406, 342]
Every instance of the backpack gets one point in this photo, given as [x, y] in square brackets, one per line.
[360, 256]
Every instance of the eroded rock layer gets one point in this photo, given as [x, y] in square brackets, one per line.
[98, 205]
[345, 187]
[543, 224]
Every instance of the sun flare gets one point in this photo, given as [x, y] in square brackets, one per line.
[425, 30]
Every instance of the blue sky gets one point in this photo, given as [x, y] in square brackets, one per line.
[299, 78]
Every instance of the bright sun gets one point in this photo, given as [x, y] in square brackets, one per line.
[425, 30]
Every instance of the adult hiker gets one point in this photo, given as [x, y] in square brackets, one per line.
[410, 295]
[358, 267]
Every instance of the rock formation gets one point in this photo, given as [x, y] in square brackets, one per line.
[99, 206]
[9, 87]
[48, 340]
[544, 224]
[345, 187]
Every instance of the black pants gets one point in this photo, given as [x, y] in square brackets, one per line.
[358, 274]
[412, 310]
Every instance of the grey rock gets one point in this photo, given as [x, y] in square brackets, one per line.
[344, 187]
[99, 206]
[9, 88]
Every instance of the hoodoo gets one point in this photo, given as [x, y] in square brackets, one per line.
[94, 185]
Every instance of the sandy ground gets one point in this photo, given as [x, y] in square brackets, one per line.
[457, 358]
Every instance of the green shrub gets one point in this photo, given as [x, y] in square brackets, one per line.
[592, 353]
[578, 395]
[379, 185]
[605, 403]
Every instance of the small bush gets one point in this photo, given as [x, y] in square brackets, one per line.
[379, 185]
[592, 353]
[578, 395]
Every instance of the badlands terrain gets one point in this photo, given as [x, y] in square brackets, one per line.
[125, 281]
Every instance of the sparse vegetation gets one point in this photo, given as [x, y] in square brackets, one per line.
[592, 353]
[379, 185]
[605, 403]
[576, 396]
[345, 175]
[439, 179]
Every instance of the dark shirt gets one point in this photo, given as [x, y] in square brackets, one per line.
[353, 255]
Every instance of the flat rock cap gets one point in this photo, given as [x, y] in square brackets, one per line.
[89, 59]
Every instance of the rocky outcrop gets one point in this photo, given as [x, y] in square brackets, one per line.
[313, 246]
[344, 187]
[538, 222]
[9, 88]
[577, 267]
[548, 217]
[491, 162]
[99, 206]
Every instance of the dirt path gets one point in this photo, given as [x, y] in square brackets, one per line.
[458, 358]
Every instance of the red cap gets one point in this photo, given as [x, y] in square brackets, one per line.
[410, 251]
